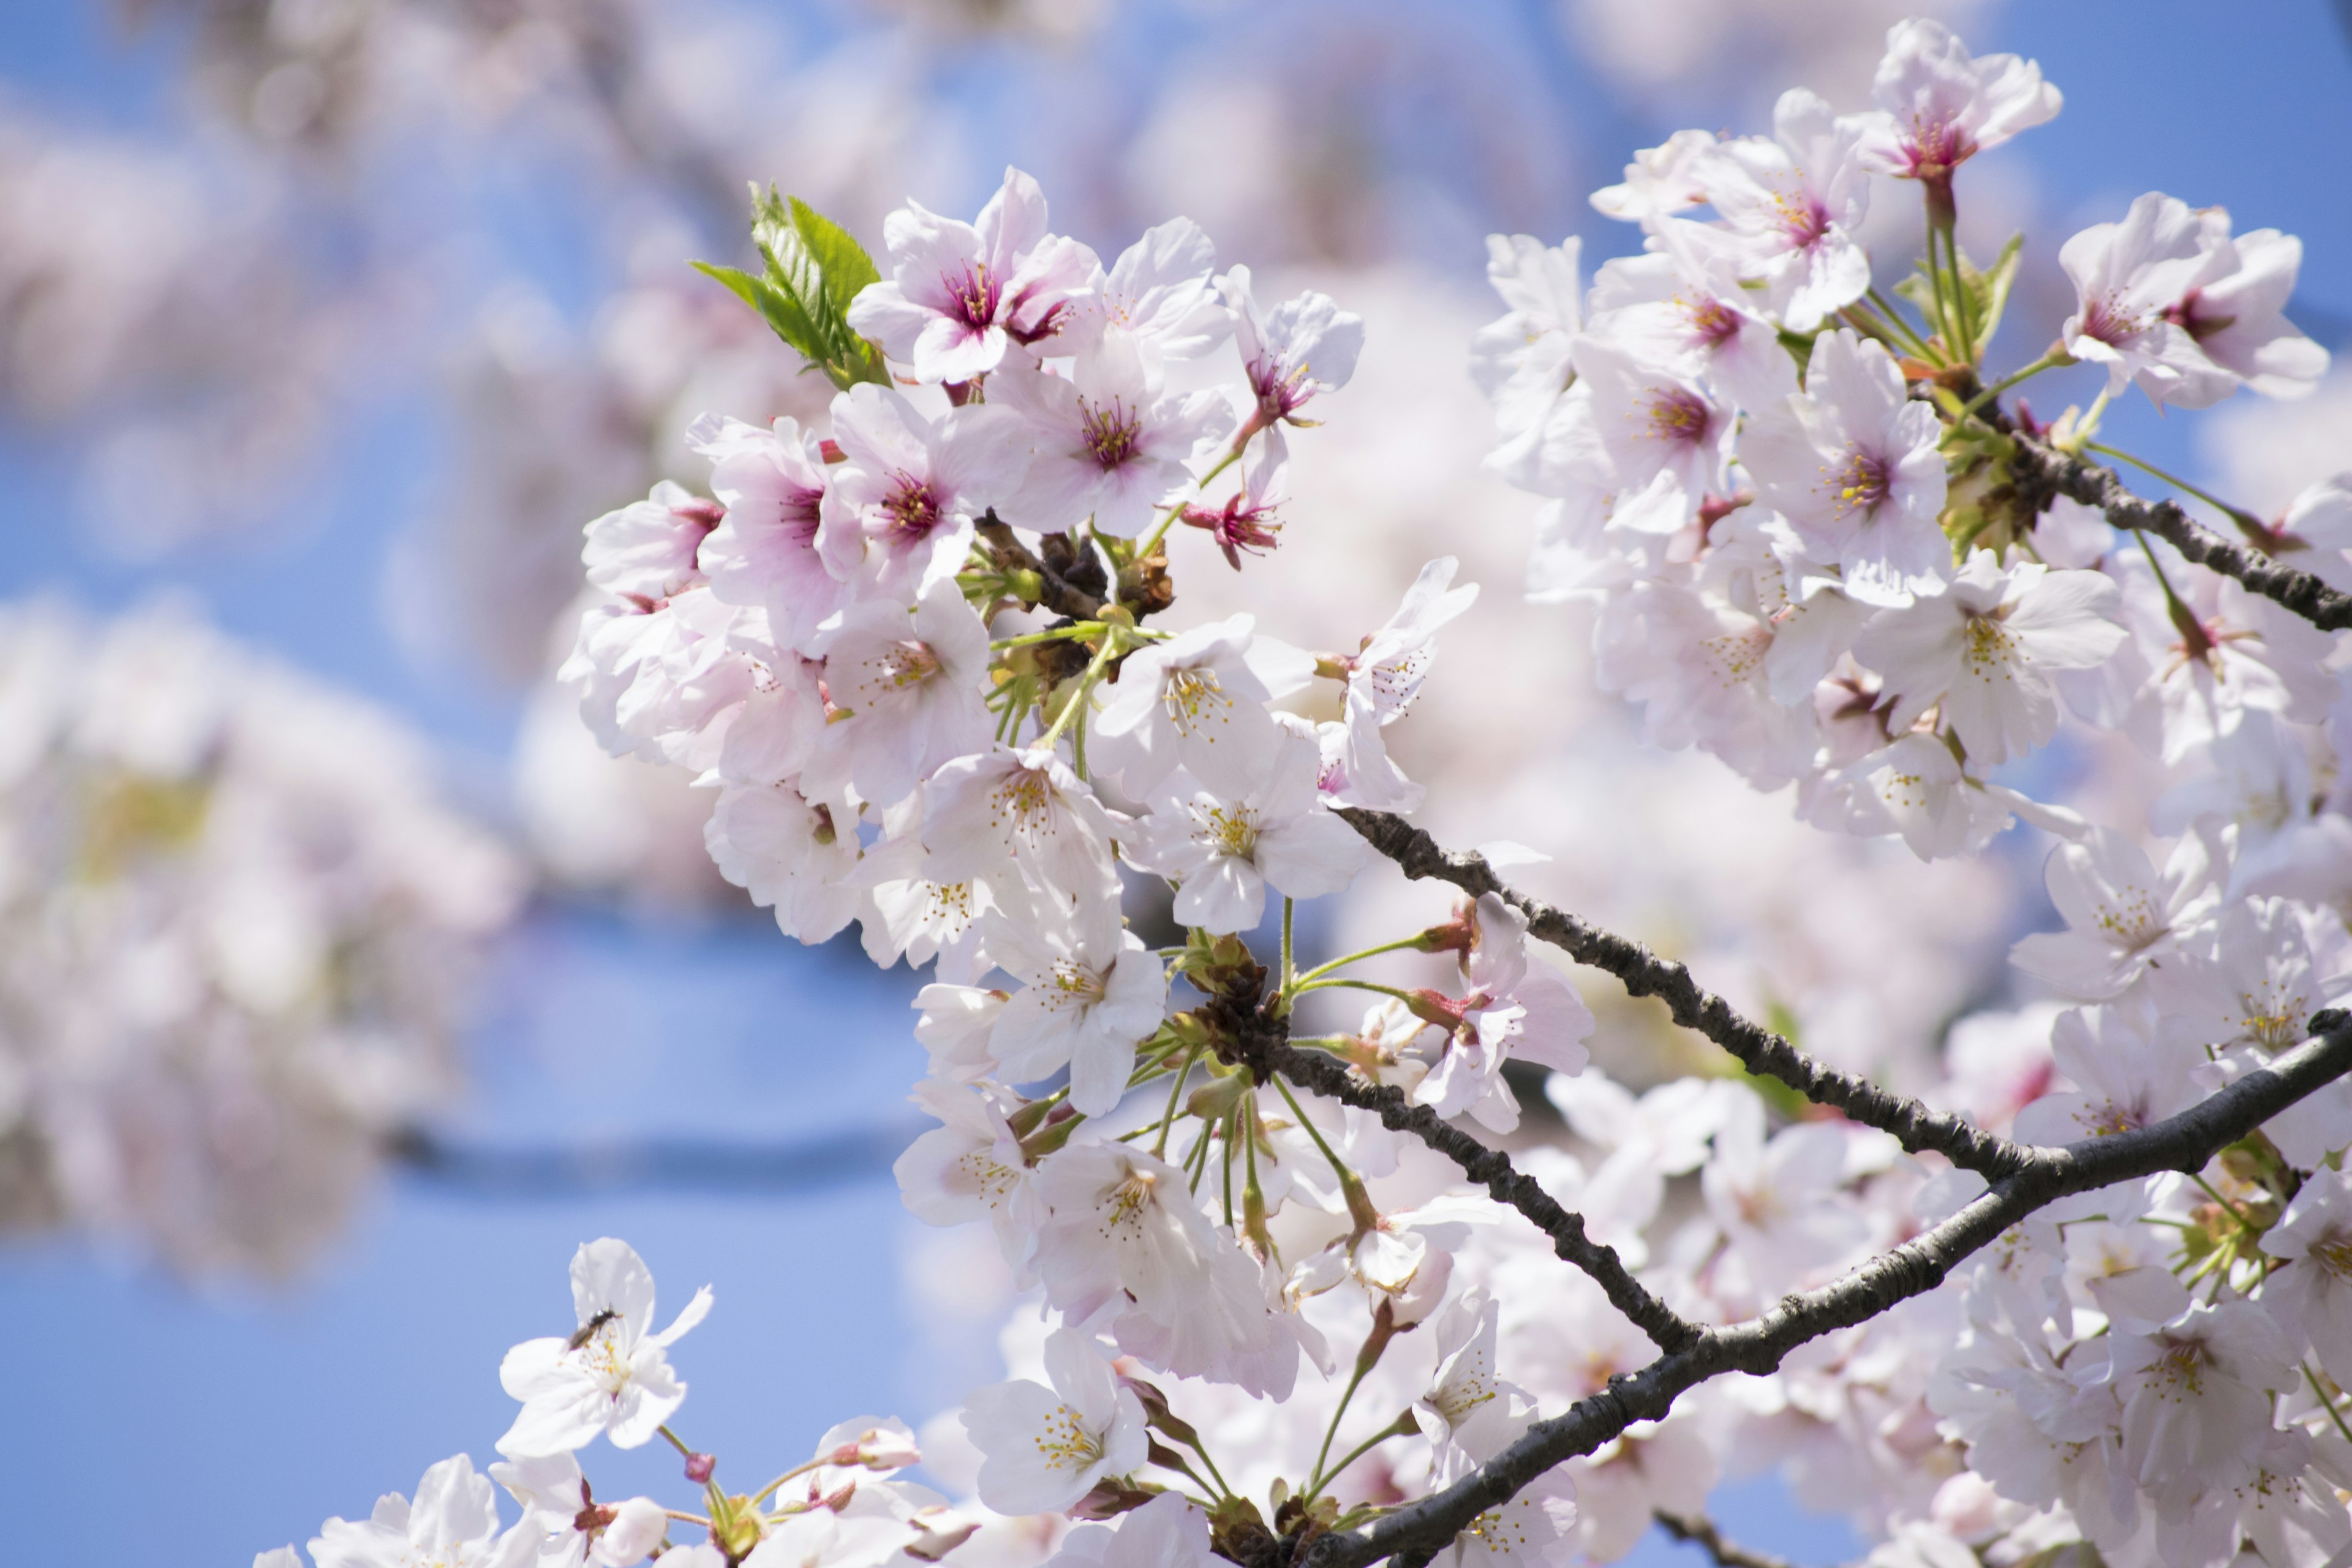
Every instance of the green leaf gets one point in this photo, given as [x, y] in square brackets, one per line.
[1989, 292]
[1920, 289]
[814, 269]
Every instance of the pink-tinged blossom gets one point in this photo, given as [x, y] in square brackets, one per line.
[1511, 1009]
[611, 1375]
[1384, 678]
[910, 689]
[1107, 444]
[1648, 433]
[1466, 1400]
[1169, 1531]
[2197, 1394]
[952, 1024]
[972, 1167]
[1160, 295]
[862, 1525]
[1778, 1202]
[1195, 701]
[2315, 532]
[1982, 651]
[1044, 1448]
[905, 496]
[2124, 1075]
[572, 1528]
[1522, 361]
[2128, 279]
[1943, 106]
[1660, 181]
[453, 1523]
[2238, 318]
[2121, 915]
[1535, 1526]
[649, 550]
[1790, 204]
[2311, 1297]
[911, 910]
[1022, 820]
[1854, 464]
[1223, 852]
[1915, 786]
[1246, 522]
[1304, 347]
[765, 555]
[1129, 1249]
[1087, 1000]
[1681, 310]
[962, 294]
[790, 853]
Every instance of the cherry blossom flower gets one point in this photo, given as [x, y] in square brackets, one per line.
[2316, 531]
[2311, 1298]
[912, 910]
[2128, 277]
[1533, 1527]
[1160, 294]
[1522, 361]
[790, 853]
[1777, 1202]
[971, 1166]
[1943, 106]
[1305, 347]
[961, 295]
[1660, 181]
[1044, 1447]
[2124, 1075]
[1647, 432]
[1108, 445]
[454, 1523]
[2195, 1392]
[2121, 916]
[1385, 676]
[1681, 310]
[1087, 999]
[1852, 463]
[1022, 819]
[1246, 522]
[1223, 852]
[611, 1375]
[1129, 1250]
[1790, 204]
[2238, 318]
[1197, 700]
[1513, 1009]
[1168, 1531]
[911, 687]
[764, 554]
[1980, 651]
[909, 488]
[576, 1530]
[1467, 1399]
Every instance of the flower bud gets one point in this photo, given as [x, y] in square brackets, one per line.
[699, 1466]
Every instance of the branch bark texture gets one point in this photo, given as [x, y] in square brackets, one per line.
[1645, 973]
[2086, 481]
[1412, 1534]
[1700, 1531]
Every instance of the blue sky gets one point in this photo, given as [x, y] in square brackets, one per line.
[160, 1423]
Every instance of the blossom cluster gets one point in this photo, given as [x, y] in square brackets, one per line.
[233, 909]
[923, 655]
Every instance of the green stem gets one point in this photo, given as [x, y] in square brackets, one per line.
[1168, 1121]
[2047, 361]
[2171, 599]
[1352, 985]
[1070, 710]
[2325, 1403]
[1315, 1482]
[1233, 1130]
[1960, 298]
[1398, 1428]
[1026, 640]
[1287, 968]
[676, 1441]
[1320, 970]
[1894, 318]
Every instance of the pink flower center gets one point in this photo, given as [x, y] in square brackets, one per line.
[2189, 316]
[1679, 416]
[2112, 322]
[972, 299]
[1864, 483]
[913, 512]
[797, 515]
[1937, 145]
[1112, 432]
[1712, 323]
[909, 663]
[1804, 220]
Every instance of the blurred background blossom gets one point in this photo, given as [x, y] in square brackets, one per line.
[325, 325]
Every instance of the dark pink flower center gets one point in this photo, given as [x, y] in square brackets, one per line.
[913, 512]
[972, 299]
[2188, 314]
[2111, 322]
[1937, 146]
[1712, 323]
[1864, 483]
[1678, 415]
[1112, 431]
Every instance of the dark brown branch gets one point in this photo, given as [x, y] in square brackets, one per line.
[2081, 479]
[1645, 973]
[1492, 1169]
[2184, 1142]
[1699, 1530]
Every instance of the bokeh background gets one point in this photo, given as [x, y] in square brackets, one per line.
[330, 322]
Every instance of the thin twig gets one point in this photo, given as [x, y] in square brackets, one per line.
[2080, 479]
[1060, 594]
[1700, 1531]
[1645, 973]
[1413, 1533]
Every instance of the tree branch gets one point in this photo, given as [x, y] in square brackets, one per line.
[1645, 973]
[1700, 1531]
[2086, 481]
[2183, 1143]
[1493, 1169]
